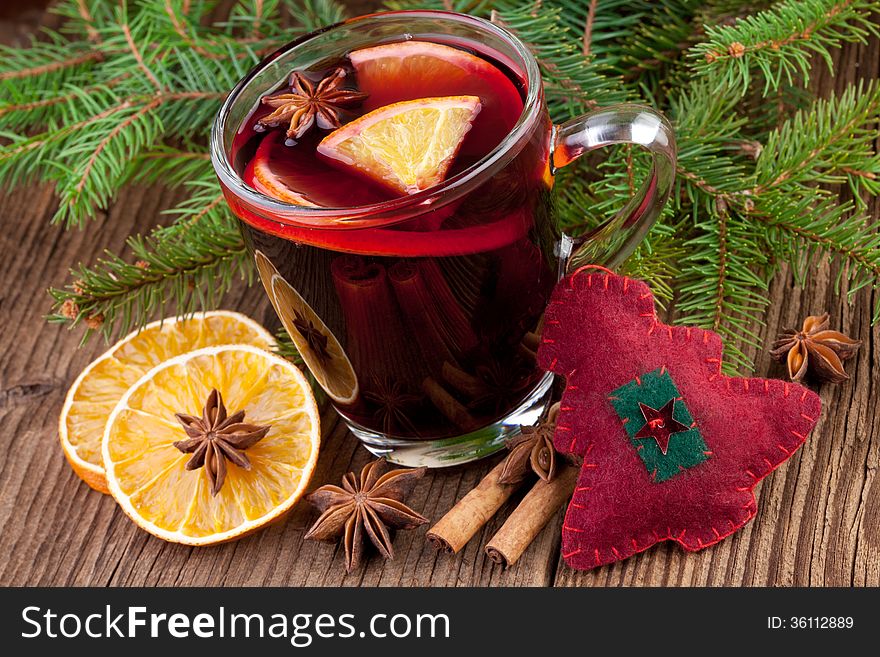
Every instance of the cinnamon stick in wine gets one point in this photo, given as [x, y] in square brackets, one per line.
[452, 409]
[372, 320]
[462, 381]
[453, 320]
[528, 519]
[531, 341]
[473, 511]
[422, 314]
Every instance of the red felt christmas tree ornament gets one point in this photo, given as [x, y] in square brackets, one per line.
[672, 449]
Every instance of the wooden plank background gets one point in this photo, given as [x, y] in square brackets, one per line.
[818, 521]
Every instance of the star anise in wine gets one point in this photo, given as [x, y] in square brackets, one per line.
[217, 437]
[313, 336]
[531, 451]
[366, 507]
[393, 404]
[307, 103]
[505, 384]
[815, 349]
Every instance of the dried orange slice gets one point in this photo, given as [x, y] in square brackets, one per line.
[147, 473]
[406, 147]
[316, 344]
[101, 385]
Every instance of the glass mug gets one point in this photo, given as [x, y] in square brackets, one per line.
[419, 316]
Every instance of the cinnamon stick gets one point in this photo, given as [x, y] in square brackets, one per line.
[471, 512]
[452, 317]
[528, 519]
[462, 381]
[527, 354]
[373, 324]
[423, 315]
[452, 409]
[531, 341]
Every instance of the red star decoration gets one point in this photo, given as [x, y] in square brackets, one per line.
[750, 426]
[660, 425]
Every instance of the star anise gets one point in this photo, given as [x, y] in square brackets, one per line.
[216, 437]
[313, 336]
[815, 349]
[531, 451]
[393, 404]
[371, 505]
[307, 103]
[505, 384]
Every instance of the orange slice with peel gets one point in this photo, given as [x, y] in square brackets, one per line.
[316, 344]
[264, 177]
[394, 72]
[303, 179]
[406, 147]
[147, 474]
[99, 387]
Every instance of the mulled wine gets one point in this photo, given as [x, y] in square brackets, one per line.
[420, 325]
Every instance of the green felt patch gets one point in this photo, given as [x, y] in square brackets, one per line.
[655, 389]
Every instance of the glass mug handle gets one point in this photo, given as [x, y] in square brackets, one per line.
[612, 242]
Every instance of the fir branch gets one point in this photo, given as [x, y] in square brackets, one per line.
[177, 16]
[100, 157]
[206, 203]
[82, 17]
[708, 165]
[249, 17]
[25, 159]
[212, 47]
[720, 292]
[720, 286]
[104, 103]
[87, 20]
[315, 14]
[806, 228]
[780, 42]
[72, 198]
[171, 166]
[663, 33]
[610, 22]
[171, 271]
[830, 142]
[54, 65]
[587, 39]
[25, 112]
[657, 260]
[259, 16]
[139, 58]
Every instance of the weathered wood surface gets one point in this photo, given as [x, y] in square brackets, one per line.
[818, 521]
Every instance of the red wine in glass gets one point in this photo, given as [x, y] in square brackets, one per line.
[424, 328]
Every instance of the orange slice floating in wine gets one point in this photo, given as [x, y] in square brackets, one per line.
[394, 72]
[304, 179]
[406, 147]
